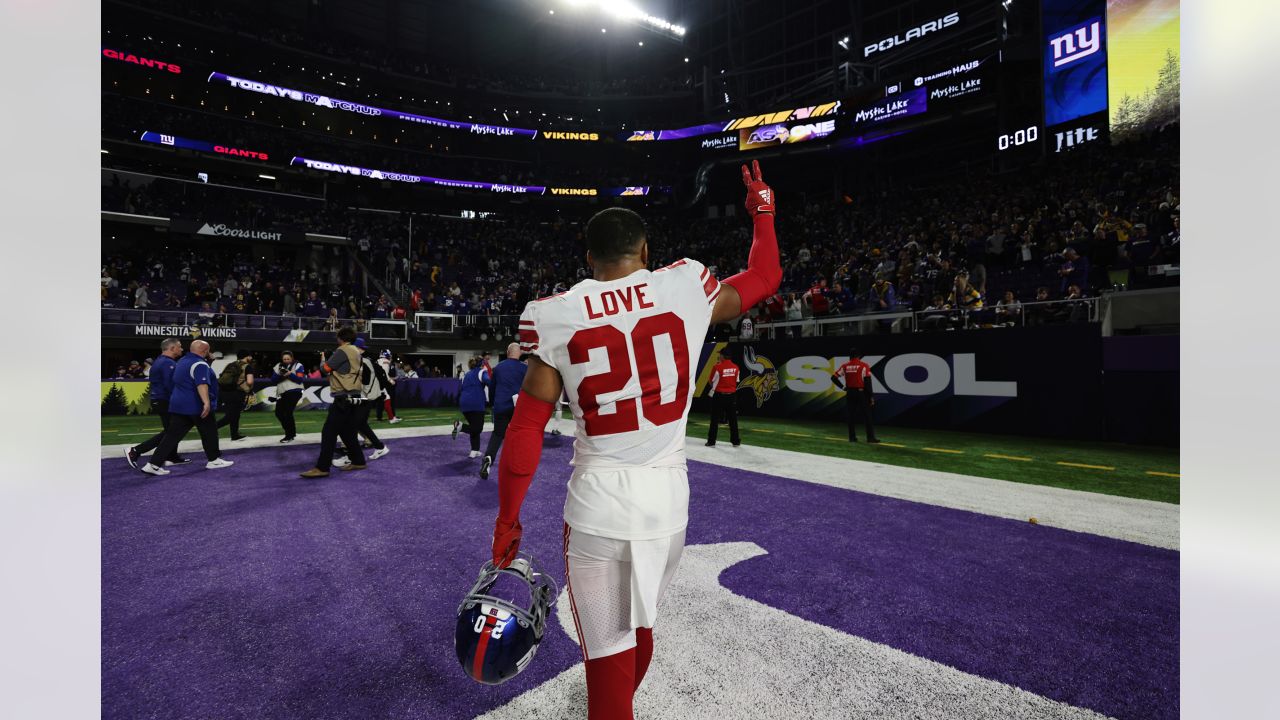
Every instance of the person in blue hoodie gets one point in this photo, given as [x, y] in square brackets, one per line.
[508, 376]
[161, 387]
[195, 395]
[471, 401]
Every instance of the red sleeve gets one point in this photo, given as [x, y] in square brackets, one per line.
[519, 460]
[764, 268]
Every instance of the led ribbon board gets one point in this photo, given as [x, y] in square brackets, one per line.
[742, 123]
[201, 145]
[362, 109]
[470, 184]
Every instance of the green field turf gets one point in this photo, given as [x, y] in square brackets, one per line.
[1126, 470]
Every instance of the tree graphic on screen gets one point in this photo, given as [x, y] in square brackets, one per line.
[1155, 108]
[115, 402]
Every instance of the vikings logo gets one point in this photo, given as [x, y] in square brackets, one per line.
[763, 380]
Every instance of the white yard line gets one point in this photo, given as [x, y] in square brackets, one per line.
[1141, 521]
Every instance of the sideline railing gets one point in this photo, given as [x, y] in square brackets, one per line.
[1049, 312]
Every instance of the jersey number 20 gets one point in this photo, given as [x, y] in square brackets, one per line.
[642, 344]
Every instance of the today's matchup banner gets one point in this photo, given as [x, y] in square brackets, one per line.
[333, 103]
[1038, 381]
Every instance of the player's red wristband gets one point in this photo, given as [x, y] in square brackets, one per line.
[764, 269]
[520, 457]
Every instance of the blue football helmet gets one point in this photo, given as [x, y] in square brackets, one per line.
[385, 354]
[496, 638]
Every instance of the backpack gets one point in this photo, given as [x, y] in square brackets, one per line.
[229, 378]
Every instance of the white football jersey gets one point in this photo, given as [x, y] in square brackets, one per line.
[626, 350]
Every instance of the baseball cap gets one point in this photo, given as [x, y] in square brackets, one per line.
[360, 343]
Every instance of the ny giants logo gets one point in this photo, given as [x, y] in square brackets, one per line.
[1077, 44]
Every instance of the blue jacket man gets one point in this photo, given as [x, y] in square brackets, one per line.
[161, 387]
[191, 403]
[508, 376]
[471, 401]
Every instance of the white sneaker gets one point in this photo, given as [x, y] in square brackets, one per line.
[154, 469]
[379, 453]
[341, 462]
[474, 454]
[219, 463]
[395, 420]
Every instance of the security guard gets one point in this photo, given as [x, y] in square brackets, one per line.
[854, 377]
[195, 394]
[161, 387]
[723, 389]
[343, 368]
[288, 374]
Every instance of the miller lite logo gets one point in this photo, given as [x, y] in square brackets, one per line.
[1076, 44]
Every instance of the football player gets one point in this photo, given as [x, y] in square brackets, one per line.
[624, 345]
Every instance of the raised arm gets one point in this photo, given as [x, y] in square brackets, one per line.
[764, 268]
[519, 459]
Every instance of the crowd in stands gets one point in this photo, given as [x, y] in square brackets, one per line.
[1097, 219]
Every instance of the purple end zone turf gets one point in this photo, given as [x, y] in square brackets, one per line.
[252, 593]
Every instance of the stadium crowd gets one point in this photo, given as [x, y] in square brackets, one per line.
[1097, 219]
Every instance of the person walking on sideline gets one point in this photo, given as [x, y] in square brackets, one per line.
[508, 376]
[471, 402]
[195, 394]
[161, 388]
[343, 368]
[288, 374]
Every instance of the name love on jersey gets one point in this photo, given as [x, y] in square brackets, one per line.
[612, 302]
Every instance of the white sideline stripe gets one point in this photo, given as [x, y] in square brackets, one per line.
[721, 655]
[1141, 521]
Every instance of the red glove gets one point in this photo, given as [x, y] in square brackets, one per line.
[764, 270]
[506, 542]
[759, 196]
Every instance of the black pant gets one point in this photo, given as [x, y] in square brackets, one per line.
[724, 405]
[391, 397]
[285, 405]
[858, 403]
[500, 422]
[232, 405]
[473, 426]
[160, 408]
[179, 426]
[343, 422]
[363, 427]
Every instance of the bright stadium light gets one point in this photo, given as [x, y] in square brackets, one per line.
[625, 10]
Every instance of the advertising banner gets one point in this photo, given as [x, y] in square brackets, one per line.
[333, 103]
[216, 334]
[202, 146]
[1038, 381]
[900, 105]
[769, 135]
[1075, 59]
[196, 227]
[792, 115]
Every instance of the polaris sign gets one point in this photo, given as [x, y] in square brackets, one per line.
[899, 40]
